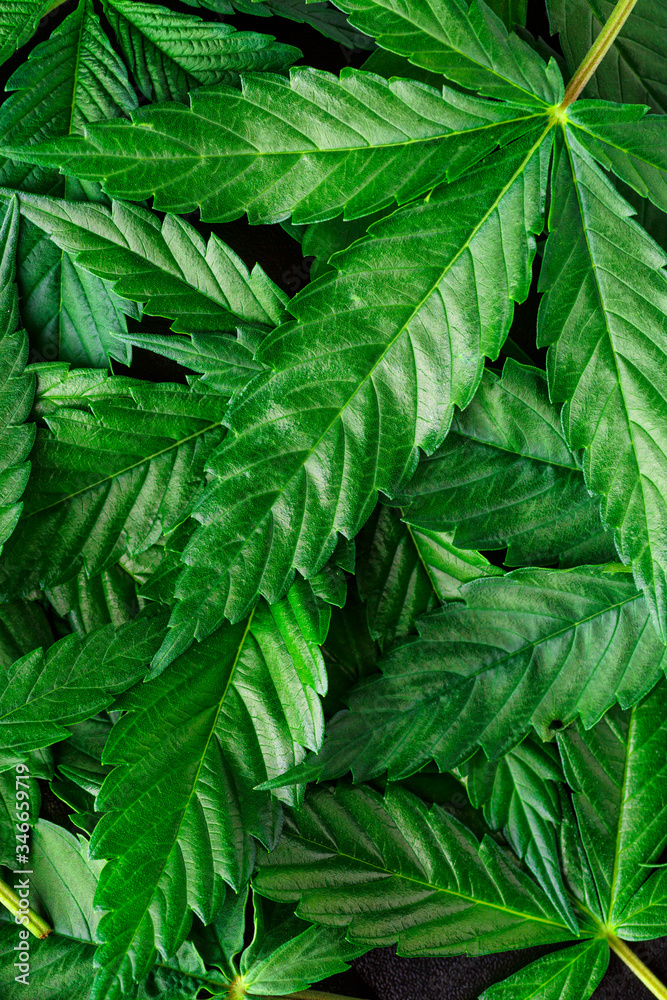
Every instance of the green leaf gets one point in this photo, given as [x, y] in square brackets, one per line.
[73, 680]
[71, 79]
[89, 603]
[607, 352]
[18, 22]
[169, 267]
[226, 363]
[634, 71]
[468, 44]
[520, 796]
[111, 477]
[236, 151]
[511, 12]
[322, 240]
[617, 770]
[505, 477]
[170, 53]
[17, 387]
[393, 870]
[627, 141]
[405, 572]
[80, 771]
[179, 806]
[534, 648]
[286, 956]
[64, 879]
[23, 627]
[68, 81]
[327, 20]
[9, 806]
[645, 915]
[346, 408]
[570, 974]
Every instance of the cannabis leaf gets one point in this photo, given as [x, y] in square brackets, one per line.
[221, 154]
[170, 54]
[331, 395]
[604, 355]
[285, 954]
[23, 627]
[404, 572]
[74, 679]
[69, 80]
[89, 602]
[18, 21]
[110, 477]
[355, 858]
[505, 477]
[422, 879]
[574, 972]
[179, 806]
[168, 267]
[521, 797]
[17, 387]
[556, 645]
[65, 879]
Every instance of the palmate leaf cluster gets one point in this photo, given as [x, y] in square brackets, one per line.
[350, 630]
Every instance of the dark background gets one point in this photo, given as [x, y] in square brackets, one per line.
[379, 975]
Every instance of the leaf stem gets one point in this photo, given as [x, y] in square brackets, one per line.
[641, 971]
[30, 920]
[597, 51]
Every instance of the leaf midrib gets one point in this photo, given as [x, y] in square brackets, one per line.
[608, 330]
[309, 151]
[128, 468]
[430, 885]
[186, 807]
[414, 312]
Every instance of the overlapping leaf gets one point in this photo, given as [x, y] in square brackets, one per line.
[179, 806]
[17, 387]
[285, 955]
[64, 878]
[23, 627]
[73, 680]
[326, 19]
[402, 572]
[170, 54]
[466, 43]
[71, 79]
[168, 266]
[505, 477]
[347, 406]
[91, 602]
[609, 337]
[18, 21]
[393, 870]
[618, 772]
[534, 648]
[520, 796]
[309, 146]
[111, 477]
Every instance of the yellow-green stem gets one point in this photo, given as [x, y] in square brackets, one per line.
[640, 970]
[32, 922]
[597, 51]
